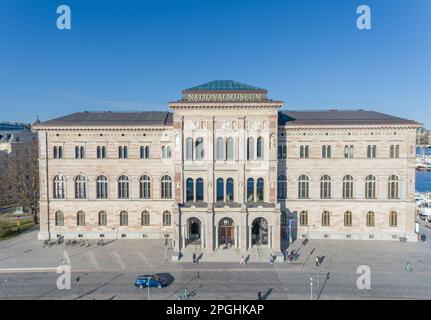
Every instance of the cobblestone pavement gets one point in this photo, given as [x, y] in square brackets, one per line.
[28, 271]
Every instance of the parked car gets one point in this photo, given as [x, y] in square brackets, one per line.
[148, 280]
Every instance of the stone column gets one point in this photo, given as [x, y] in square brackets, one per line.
[216, 236]
[249, 237]
[203, 232]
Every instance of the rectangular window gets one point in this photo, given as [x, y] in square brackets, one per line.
[303, 152]
[122, 152]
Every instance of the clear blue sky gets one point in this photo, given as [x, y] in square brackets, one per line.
[139, 55]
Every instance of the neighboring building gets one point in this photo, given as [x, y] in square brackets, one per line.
[423, 137]
[18, 163]
[226, 167]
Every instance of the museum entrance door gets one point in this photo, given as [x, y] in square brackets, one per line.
[226, 233]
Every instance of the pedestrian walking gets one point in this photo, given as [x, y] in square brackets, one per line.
[241, 261]
[317, 261]
[408, 267]
[194, 257]
[271, 259]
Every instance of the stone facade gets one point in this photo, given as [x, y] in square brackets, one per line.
[216, 167]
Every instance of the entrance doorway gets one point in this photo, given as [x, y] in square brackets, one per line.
[193, 231]
[226, 233]
[259, 232]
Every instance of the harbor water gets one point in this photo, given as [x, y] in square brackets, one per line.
[423, 178]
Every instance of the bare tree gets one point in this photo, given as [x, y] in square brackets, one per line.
[19, 179]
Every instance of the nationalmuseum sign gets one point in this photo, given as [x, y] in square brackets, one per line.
[224, 97]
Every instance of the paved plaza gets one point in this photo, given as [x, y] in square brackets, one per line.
[28, 271]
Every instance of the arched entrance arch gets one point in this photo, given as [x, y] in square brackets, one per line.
[259, 232]
[226, 232]
[194, 231]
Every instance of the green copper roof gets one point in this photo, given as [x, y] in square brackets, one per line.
[224, 85]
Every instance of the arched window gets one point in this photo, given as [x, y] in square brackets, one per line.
[348, 187]
[145, 187]
[370, 219]
[199, 149]
[282, 187]
[303, 187]
[59, 219]
[260, 148]
[370, 187]
[199, 190]
[123, 187]
[220, 148]
[58, 187]
[250, 148]
[103, 221]
[397, 151]
[145, 218]
[393, 187]
[348, 151]
[80, 187]
[220, 190]
[392, 152]
[189, 190]
[80, 219]
[348, 219]
[189, 149]
[102, 187]
[229, 149]
[229, 190]
[326, 219]
[124, 218]
[371, 151]
[325, 187]
[326, 151]
[393, 219]
[250, 190]
[166, 152]
[260, 189]
[166, 218]
[303, 218]
[166, 192]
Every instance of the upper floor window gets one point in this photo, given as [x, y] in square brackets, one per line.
[229, 149]
[394, 151]
[393, 187]
[326, 151]
[124, 218]
[199, 149]
[80, 187]
[189, 149]
[101, 152]
[260, 189]
[220, 148]
[79, 152]
[260, 148]
[58, 152]
[122, 152]
[199, 197]
[229, 190]
[102, 187]
[304, 152]
[325, 187]
[59, 219]
[282, 187]
[145, 187]
[372, 151]
[303, 187]
[123, 187]
[370, 187]
[250, 190]
[348, 152]
[145, 152]
[166, 187]
[190, 185]
[282, 152]
[250, 148]
[348, 187]
[166, 152]
[80, 219]
[220, 189]
[59, 187]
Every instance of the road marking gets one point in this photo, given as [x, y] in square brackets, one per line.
[117, 258]
[143, 257]
[24, 270]
[92, 259]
